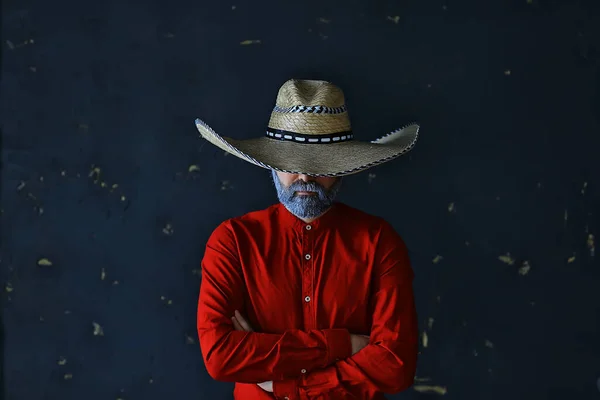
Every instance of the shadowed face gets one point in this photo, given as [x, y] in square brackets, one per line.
[307, 197]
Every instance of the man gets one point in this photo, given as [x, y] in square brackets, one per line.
[309, 298]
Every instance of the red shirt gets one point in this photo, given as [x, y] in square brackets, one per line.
[305, 288]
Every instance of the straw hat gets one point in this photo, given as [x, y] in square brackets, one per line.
[309, 133]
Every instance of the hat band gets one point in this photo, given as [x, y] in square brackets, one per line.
[311, 109]
[337, 137]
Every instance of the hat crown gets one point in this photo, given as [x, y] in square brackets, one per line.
[310, 111]
[302, 92]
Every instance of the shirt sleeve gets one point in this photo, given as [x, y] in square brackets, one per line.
[252, 357]
[388, 363]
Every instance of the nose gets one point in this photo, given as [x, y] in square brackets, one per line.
[304, 177]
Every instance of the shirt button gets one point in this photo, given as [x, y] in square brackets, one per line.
[286, 398]
[308, 227]
[307, 299]
[307, 256]
[303, 370]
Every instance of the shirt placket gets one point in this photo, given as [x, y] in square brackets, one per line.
[307, 273]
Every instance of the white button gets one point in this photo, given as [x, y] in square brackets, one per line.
[307, 299]
[303, 370]
[307, 256]
[286, 398]
[308, 227]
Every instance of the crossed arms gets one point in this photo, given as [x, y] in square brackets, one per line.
[386, 364]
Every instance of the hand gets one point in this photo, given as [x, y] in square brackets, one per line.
[266, 386]
[358, 342]
[240, 324]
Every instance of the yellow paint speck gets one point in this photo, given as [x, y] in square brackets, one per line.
[425, 339]
[123, 198]
[68, 376]
[193, 168]
[247, 42]
[507, 259]
[168, 230]
[430, 389]
[95, 173]
[437, 259]
[571, 259]
[62, 361]
[524, 270]
[395, 19]
[425, 379]
[507, 72]
[44, 262]
[591, 245]
[98, 330]
[430, 323]
[8, 287]
[226, 185]
[450, 207]
[102, 274]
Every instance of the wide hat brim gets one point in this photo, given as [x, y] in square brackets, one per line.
[332, 159]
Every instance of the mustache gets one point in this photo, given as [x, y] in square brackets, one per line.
[300, 186]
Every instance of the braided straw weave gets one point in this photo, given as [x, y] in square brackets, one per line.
[308, 108]
[309, 93]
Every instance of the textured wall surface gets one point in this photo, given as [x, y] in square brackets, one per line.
[108, 194]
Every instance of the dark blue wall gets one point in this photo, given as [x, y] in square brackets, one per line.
[508, 97]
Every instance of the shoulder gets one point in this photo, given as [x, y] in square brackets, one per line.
[363, 220]
[382, 236]
[231, 228]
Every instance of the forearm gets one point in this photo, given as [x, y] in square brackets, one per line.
[376, 368]
[250, 357]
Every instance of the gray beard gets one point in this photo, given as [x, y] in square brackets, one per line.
[306, 206]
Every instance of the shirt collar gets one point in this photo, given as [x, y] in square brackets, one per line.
[324, 221]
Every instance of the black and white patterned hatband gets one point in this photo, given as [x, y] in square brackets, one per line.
[338, 137]
[311, 109]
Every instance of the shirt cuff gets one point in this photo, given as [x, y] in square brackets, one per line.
[286, 389]
[339, 345]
